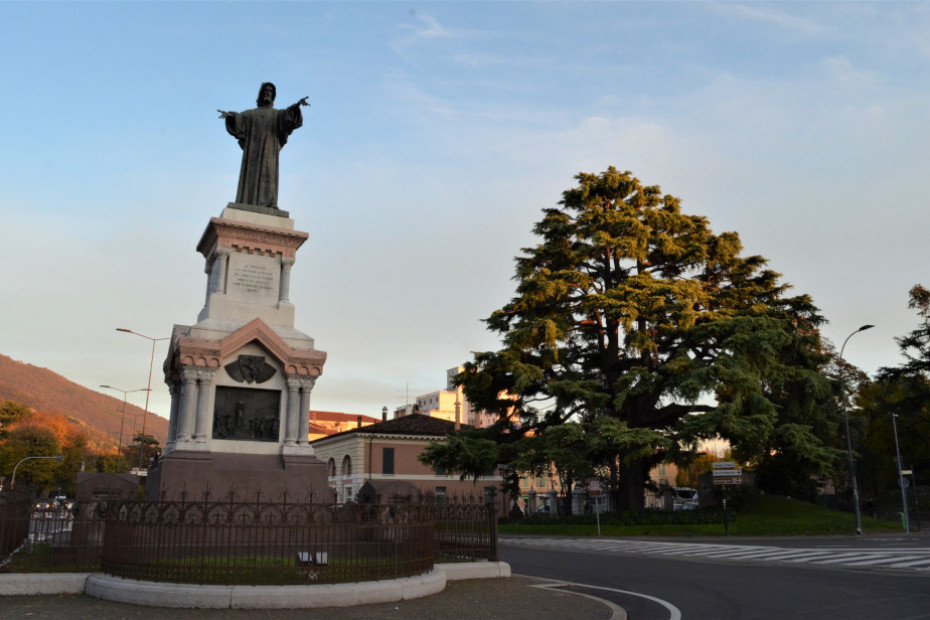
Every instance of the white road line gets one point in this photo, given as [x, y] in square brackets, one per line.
[923, 562]
[918, 559]
[673, 612]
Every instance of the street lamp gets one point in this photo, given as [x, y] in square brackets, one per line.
[119, 452]
[907, 525]
[151, 365]
[57, 457]
[852, 465]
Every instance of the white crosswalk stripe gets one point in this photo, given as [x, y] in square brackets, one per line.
[911, 558]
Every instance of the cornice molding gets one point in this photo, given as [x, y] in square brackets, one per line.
[302, 363]
[251, 238]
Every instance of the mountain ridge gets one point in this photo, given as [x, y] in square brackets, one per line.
[98, 415]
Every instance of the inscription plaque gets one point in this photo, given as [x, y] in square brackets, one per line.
[246, 414]
[254, 279]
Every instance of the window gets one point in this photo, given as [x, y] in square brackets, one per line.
[331, 468]
[346, 466]
[541, 482]
[387, 460]
[441, 496]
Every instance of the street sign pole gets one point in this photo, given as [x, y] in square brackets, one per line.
[726, 473]
[726, 518]
[594, 489]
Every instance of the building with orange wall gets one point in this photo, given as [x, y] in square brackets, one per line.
[388, 451]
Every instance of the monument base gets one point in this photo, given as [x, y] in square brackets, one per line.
[248, 477]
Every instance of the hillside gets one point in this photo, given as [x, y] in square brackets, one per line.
[98, 415]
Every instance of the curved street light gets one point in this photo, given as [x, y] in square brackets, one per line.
[58, 457]
[897, 450]
[852, 465]
[151, 365]
[119, 452]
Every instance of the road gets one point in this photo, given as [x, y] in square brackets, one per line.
[737, 586]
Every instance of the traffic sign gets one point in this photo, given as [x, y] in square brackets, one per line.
[729, 475]
[723, 465]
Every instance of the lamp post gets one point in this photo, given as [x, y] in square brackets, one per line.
[119, 452]
[897, 450]
[852, 465]
[57, 457]
[149, 392]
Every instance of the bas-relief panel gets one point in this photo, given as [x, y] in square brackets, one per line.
[249, 406]
[246, 414]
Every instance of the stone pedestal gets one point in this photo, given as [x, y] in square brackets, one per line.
[241, 377]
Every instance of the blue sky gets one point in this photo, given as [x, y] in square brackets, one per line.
[437, 133]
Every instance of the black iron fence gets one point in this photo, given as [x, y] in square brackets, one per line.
[266, 543]
[255, 543]
[44, 536]
[466, 529]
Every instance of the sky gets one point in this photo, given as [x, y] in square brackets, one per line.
[437, 133]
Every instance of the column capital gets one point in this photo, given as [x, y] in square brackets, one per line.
[300, 382]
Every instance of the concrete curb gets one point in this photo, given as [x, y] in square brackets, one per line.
[32, 584]
[175, 595]
[153, 594]
[475, 570]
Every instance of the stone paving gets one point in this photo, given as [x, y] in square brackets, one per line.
[512, 598]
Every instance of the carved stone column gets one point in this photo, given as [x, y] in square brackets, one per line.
[204, 415]
[293, 410]
[188, 405]
[174, 388]
[303, 429]
[285, 289]
[222, 258]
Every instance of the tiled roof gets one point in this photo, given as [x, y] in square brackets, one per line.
[414, 424]
[335, 416]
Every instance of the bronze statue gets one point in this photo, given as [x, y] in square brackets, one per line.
[261, 133]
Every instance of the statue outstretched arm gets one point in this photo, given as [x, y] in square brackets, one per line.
[303, 101]
[226, 114]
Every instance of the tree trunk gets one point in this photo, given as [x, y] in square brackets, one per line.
[632, 479]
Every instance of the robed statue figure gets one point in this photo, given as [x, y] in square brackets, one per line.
[261, 134]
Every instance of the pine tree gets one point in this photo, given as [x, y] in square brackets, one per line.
[634, 319]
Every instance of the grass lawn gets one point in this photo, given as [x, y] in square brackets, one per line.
[765, 515]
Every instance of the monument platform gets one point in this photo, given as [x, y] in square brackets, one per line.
[241, 377]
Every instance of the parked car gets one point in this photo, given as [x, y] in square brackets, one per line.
[685, 498]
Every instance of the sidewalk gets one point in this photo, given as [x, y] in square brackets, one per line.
[511, 598]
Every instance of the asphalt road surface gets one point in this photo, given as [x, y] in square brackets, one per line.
[697, 588]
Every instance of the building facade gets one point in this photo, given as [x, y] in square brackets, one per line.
[388, 451]
[448, 404]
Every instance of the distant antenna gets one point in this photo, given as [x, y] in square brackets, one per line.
[407, 394]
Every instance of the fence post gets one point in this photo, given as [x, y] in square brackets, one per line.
[491, 505]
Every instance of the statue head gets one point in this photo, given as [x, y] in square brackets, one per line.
[266, 94]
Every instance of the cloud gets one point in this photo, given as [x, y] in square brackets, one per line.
[474, 60]
[840, 70]
[425, 28]
[768, 15]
